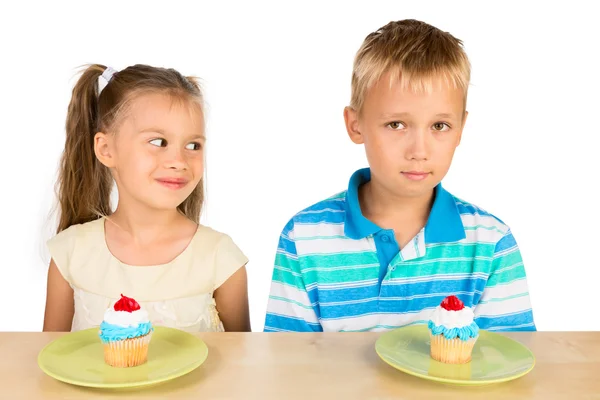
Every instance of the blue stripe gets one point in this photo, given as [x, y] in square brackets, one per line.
[337, 295]
[286, 245]
[288, 227]
[314, 218]
[334, 204]
[313, 296]
[507, 242]
[291, 324]
[471, 285]
[471, 210]
[522, 318]
[385, 305]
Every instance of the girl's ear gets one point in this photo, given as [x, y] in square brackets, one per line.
[102, 149]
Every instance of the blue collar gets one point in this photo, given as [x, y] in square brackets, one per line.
[444, 223]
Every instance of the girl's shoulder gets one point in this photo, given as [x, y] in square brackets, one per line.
[85, 231]
[75, 238]
[218, 249]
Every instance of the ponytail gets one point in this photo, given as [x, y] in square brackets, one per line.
[84, 184]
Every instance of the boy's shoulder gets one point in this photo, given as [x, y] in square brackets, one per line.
[475, 218]
[330, 210]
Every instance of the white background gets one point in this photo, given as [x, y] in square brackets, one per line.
[276, 78]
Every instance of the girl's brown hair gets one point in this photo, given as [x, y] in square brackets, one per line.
[84, 184]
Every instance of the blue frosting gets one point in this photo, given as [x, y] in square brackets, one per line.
[464, 333]
[109, 332]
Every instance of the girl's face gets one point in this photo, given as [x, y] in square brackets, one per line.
[157, 154]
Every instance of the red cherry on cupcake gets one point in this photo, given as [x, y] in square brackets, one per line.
[452, 303]
[126, 304]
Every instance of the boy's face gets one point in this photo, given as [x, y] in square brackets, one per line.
[409, 137]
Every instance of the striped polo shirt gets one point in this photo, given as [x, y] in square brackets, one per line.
[337, 271]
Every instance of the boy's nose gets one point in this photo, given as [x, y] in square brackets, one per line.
[418, 146]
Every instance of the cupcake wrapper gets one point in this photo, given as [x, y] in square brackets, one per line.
[453, 351]
[128, 352]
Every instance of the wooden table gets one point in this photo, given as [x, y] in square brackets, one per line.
[315, 366]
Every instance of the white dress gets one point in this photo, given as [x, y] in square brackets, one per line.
[178, 294]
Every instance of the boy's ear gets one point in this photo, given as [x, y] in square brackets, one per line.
[351, 120]
[102, 149]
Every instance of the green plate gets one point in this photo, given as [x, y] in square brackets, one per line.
[77, 358]
[495, 358]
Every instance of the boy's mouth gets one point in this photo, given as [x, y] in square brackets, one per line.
[415, 175]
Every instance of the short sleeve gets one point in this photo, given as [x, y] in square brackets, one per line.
[61, 249]
[228, 259]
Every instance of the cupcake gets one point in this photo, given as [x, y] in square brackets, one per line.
[452, 331]
[125, 333]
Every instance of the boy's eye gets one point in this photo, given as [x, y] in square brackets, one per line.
[158, 142]
[194, 146]
[396, 125]
[441, 126]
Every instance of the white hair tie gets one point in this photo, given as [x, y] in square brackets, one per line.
[106, 76]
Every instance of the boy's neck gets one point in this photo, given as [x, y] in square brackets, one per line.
[390, 211]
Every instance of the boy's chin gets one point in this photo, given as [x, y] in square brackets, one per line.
[412, 189]
[415, 193]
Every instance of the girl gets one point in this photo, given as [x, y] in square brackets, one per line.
[145, 131]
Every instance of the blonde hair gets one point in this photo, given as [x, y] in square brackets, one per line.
[417, 55]
[84, 184]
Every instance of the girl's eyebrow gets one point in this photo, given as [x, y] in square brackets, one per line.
[196, 137]
[155, 130]
[164, 133]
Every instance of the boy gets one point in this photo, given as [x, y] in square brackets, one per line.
[387, 251]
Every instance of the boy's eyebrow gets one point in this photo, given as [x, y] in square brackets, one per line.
[444, 115]
[405, 114]
[394, 115]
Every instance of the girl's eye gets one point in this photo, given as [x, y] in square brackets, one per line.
[396, 125]
[194, 146]
[441, 126]
[158, 142]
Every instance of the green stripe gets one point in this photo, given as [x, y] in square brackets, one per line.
[504, 298]
[322, 237]
[339, 259]
[286, 262]
[342, 268]
[507, 276]
[286, 278]
[418, 268]
[339, 195]
[507, 259]
[487, 228]
[452, 250]
[290, 301]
